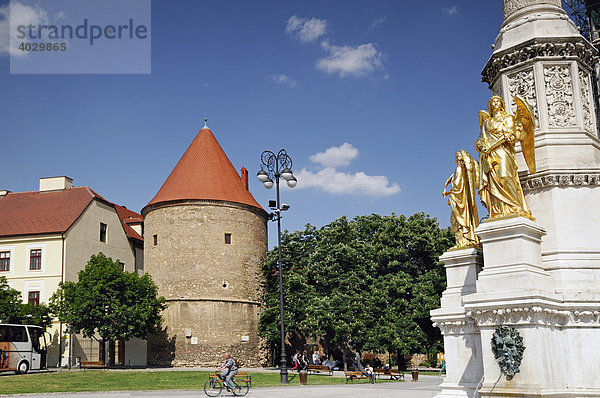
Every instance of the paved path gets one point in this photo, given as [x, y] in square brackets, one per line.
[426, 387]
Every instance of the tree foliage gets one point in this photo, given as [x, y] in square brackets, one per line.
[10, 303]
[117, 305]
[361, 284]
[12, 309]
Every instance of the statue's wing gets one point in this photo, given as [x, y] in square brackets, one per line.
[526, 117]
[483, 116]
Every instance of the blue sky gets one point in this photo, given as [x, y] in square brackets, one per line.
[393, 86]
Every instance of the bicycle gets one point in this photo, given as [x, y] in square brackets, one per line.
[214, 386]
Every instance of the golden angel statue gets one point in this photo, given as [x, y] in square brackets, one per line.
[499, 187]
[462, 200]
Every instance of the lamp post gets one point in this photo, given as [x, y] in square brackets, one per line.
[278, 166]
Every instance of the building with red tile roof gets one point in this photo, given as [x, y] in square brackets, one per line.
[47, 237]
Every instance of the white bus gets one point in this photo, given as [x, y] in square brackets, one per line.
[22, 348]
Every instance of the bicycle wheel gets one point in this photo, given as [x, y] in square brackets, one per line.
[241, 388]
[213, 387]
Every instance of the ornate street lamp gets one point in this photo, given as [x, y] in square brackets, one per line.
[278, 166]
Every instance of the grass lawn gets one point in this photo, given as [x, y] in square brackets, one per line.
[103, 380]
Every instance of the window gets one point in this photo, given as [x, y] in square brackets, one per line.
[103, 228]
[155, 237]
[13, 334]
[4, 261]
[33, 297]
[35, 259]
[122, 266]
[227, 239]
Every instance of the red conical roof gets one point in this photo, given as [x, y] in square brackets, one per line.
[204, 172]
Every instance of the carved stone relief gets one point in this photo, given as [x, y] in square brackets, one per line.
[535, 315]
[559, 180]
[584, 88]
[466, 326]
[522, 54]
[523, 83]
[559, 96]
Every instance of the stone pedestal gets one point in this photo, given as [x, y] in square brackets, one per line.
[462, 344]
[515, 290]
[513, 257]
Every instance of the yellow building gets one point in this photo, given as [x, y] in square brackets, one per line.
[48, 236]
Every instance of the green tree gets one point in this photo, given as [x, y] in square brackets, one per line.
[36, 314]
[10, 303]
[105, 300]
[362, 284]
[12, 309]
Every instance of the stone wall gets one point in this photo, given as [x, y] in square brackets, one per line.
[213, 289]
[200, 332]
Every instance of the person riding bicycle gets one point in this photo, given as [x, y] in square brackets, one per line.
[228, 371]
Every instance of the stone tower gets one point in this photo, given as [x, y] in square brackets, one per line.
[206, 241]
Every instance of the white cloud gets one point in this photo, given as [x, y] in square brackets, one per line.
[61, 15]
[336, 156]
[350, 61]
[306, 29]
[451, 11]
[283, 79]
[18, 14]
[331, 180]
[378, 21]
[338, 182]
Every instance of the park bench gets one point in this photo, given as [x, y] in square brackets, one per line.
[239, 376]
[389, 372]
[319, 369]
[91, 365]
[357, 375]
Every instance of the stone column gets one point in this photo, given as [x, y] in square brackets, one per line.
[462, 345]
[540, 55]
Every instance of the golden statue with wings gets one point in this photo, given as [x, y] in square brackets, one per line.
[462, 200]
[499, 187]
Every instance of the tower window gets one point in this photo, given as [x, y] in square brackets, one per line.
[155, 239]
[227, 239]
[103, 228]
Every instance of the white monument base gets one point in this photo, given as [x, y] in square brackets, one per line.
[462, 343]
[522, 295]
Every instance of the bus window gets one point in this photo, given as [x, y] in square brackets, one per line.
[13, 334]
[38, 341]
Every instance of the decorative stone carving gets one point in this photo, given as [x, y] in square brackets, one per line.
[584, 88]
[559, 96]
[535, 315]
[580, 51]
[559, 180]
[457, 327]
[521, 316]
[511, 6]
[523, 83]
[508, 348]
